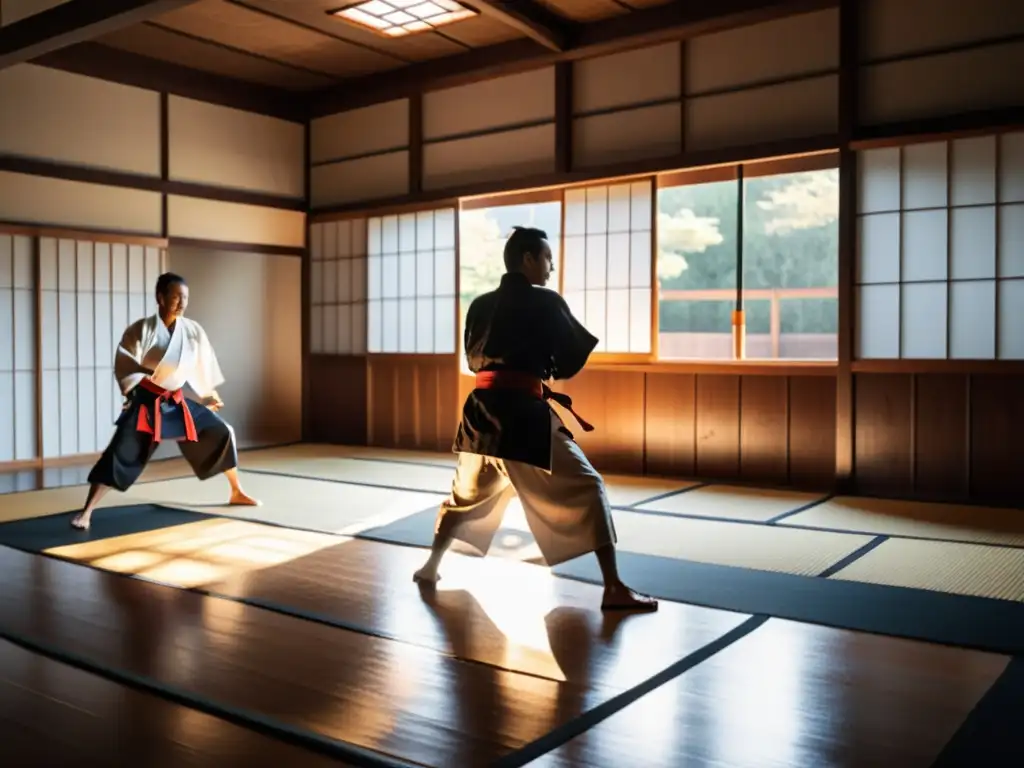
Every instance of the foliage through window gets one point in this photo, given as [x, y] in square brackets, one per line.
[789, 266]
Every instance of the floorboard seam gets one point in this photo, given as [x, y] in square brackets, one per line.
[584, 722]
[853, 557]
[284, 610]
[338, 750]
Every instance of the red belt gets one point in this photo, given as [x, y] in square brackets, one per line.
[164, 395]
[527, 383]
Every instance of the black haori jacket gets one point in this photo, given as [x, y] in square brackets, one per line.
[529, 330]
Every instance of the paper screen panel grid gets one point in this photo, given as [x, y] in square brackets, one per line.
[338, 287]
[411, 283]
[17, 349]
[90, 292]
[607, 263]
[940, 254]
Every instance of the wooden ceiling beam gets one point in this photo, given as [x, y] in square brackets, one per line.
[74, 22]
[674, 21]
[530, 18]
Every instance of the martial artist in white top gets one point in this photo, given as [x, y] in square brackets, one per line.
[168, 372]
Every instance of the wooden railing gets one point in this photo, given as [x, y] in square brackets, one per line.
[774, 295]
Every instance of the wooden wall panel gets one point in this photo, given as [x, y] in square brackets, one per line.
[883, 438]
[413, 401]
[670, 424]
[944, 84]
[58, 116]
[800, 108]
[718, 426]
[764, 432]
[941, 435]
[195, 218]
[501, 102]
[78, 205]
[997, 423]
[505, 155]
[364, 178]
[210, 144]
[370, 130]
[337, 391]
[614, 403]
[812, 431]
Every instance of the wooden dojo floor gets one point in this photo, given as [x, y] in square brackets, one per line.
[796, 629]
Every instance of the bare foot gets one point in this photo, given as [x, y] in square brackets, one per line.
[426, 575]
[622, 598]
[80, 521]
[242, 499]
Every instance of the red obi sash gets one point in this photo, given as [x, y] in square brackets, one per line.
[164, 395]
[527, 383]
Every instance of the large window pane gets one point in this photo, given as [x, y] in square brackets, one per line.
[697, 270]
[482, 236]
[791, 265]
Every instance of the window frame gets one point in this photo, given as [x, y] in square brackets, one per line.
[740, 172]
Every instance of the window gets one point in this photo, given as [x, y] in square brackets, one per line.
[411, 283]
[782, 271]
[697, 260]
[940, 255]
[484, 226]
[90, 292]
[17, 349]
[338, 287]
[606, 278]
[791, 265]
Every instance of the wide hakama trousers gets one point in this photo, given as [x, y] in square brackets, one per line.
[566, 508]
[130, 449]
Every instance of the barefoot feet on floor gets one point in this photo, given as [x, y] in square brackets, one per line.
[80, 521]
[426, 575]
[242, 499]
[622, 598]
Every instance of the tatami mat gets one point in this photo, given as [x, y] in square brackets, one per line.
[913, 518]
[963, 569]
[762, 547]
[320, 505]
[765, 548]
[733, 502]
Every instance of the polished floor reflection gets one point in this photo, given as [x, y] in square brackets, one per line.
[287, 638]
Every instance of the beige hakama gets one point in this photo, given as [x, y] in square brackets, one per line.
[567, 508]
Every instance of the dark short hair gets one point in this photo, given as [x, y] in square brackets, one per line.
[166, 280]
[522, 241]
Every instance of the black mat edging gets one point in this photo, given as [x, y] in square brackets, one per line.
[857, 554]
[991, 734]
[351, 754]
[979, 623]
[36, 534]
[803, 508]
[592, 717]
[661, 497]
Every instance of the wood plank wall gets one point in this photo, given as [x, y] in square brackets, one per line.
[940, 435]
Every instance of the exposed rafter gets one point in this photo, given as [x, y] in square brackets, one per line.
[75, 22]
[674, 21]
[529, 17]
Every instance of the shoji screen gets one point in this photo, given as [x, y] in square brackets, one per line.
[338, 288]
[941, 237]
[90, 292]
[608, 263]
[411, 283]
[17, 349]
